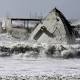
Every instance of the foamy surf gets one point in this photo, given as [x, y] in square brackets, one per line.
[26, 60]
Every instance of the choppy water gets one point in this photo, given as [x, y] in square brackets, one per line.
[32, 66]
[18, 66]
[26, 64]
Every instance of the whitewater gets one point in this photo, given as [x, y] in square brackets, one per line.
[26, 60]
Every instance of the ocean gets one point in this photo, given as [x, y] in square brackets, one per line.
[27, 66]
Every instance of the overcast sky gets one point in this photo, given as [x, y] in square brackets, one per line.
[24, 8]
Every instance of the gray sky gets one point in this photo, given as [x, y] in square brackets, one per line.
[23, 8]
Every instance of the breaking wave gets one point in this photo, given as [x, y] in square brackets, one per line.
[10, 46]
[40, 51]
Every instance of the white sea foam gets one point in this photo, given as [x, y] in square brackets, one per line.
[36, 62]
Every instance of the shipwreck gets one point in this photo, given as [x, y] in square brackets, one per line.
[54, 29]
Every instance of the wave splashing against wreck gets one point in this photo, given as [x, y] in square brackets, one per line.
[10, 46]
[24, 60]
[54, 51]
